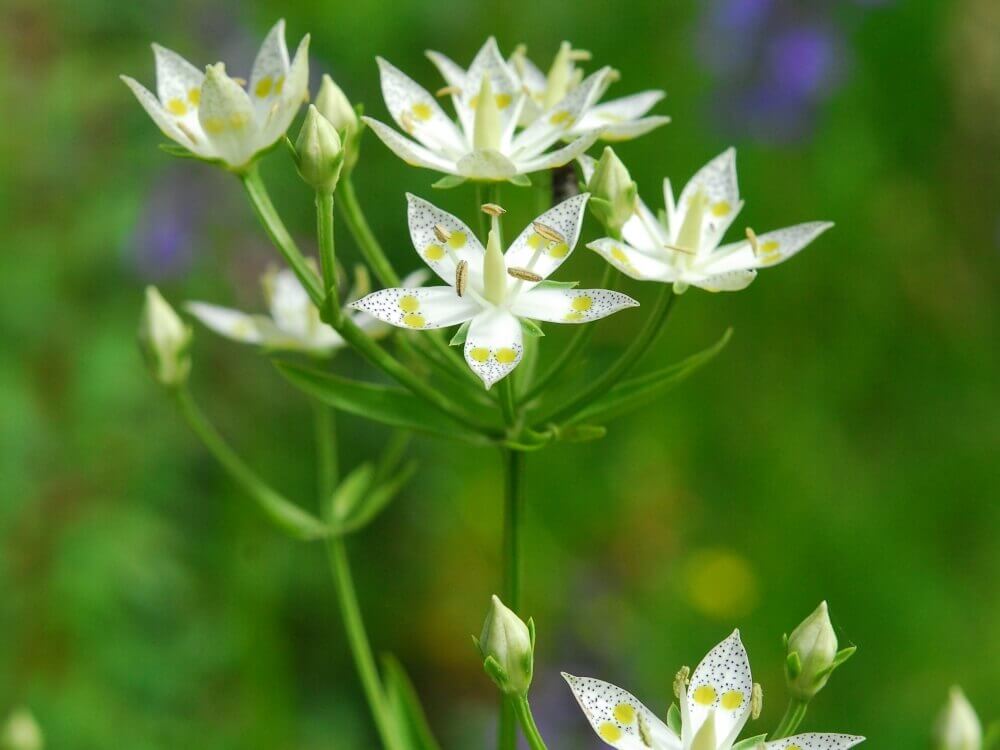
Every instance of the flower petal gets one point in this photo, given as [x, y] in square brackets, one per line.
[486, 164]
[557, 158]
[493, 345]
[418, 113]
[233, 324]
[557, 122]
[730, 281]
[626, 108]
[283, 107]
[542, 256]
[570, 305]
[443, 257]
[454, 75]
[816, 741]
[162, 118]
[717, 181]
[634, 262]
[291, 308]
[626, 131]
[618, 717]
[720, 686]
[270, 67]
[412, 153]
[178, 82]
[490, 63]
[227, 117]
[423, 308]
[644, 231]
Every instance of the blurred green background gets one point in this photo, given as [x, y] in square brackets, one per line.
[845, 446]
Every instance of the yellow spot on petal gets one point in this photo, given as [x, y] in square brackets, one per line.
[609, 732]
[279, 84]
[422, 111]
[409, 303]
[264, 86]
[582, 304]
[560, 117]
[624, 713]
[721, 208]
[618, 254]
[434, 252]
[177, 107]
[457, 240]
[474, 101]
[479, 354]
[768, 247]
[503, 101]
[793, 747]
[214, 125]
[560, 250]
[574, 317]
[732, 700]
[705, 695]
[194, 96]
[238, 120]
[536, 241]
[506, 356]
[414, 320]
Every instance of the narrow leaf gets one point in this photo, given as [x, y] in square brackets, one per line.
[550, 284]
[374, 501]
[404, 703]
[459, 338]
[521, 180]
[531, 328]
[751, 743]
[350, 493]
[674, 719]
[448, 182]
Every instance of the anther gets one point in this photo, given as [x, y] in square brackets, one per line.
[461, 276]
[493, 209]
[756, 701]
[580, 55]
[752, 239]
[679, 249]
[681, 681]
[547, 232]
[448, 91]
[442, 233]
[409, 125]
[523, 273]
[187, 131]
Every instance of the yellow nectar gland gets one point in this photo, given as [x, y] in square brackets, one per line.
[721, 208]
[422, 111]
[562, 117]
[456, 240]
[414, 320]
[177, 107]
[624, 713]
[732, 700]
[609, 732]
[582, 304]
[705, 695]
[263, 87]
[479, 354]
[194, 96]
[409, 303]
[434, 252]
[506, 356]
[559, 250]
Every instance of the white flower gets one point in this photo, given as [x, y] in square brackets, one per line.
[683, 248]
[489, 100]
[617, 120]
[713, 712]
[958, 727]
[294, 323]
[212, 115]
[490, 290]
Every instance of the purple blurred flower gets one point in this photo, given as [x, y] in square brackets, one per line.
[161, 245]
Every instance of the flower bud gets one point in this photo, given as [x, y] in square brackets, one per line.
[812, 654]
[958, 727]
[613, 193]
[319, 152]
[334, 105]
[21, 732]
[507, 646]
[164, 339]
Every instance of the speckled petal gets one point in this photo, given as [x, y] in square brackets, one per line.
[619, 718]
[423, 308]
[816, 741]
[570, 305]
[493, 345]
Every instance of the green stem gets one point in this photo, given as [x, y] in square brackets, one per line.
[790, 722]
[279, 509]
[328, 255]
[507, 407]
[369, 246]
[640, 344]
[527, 721]
[275, 228]
[513, 462]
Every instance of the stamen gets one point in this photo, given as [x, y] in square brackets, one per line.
[580, 55]
[644, 735]
[461, 276]
[493, 209]
[523, 273]
[752, 239]
[680, 249]
[187, 131]
[756, 701]
[240, 81]
[614, 75]
[442, 233]
[448, 91]
[681, 680]
[409, 124]
[547, 232]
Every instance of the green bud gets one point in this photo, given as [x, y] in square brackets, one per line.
[334, 105]
[507, 646]
[812, 655]
[958, 727]
[613, 194]
[21, 732]
[319, 152]
[164, 339]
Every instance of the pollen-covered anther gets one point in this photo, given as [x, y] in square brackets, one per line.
[448, 91]
[752, 239]
[461, 277]
[756, 701]
[523, 273]
[614, 75]
[409, 124]
[681, 680]
[580, 55]
[493, 209]
[187, 131]
[677, 249]
[546, 232]
[442, 233]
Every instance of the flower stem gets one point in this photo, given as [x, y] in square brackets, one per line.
[513, 462]
[640, 344]
[328, 255]
[358, 225]
[275, 228]
[507, 407]
[527, 721]
[790, 722]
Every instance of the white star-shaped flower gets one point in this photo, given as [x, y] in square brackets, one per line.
[484, 144]
[490, 290]
[682, 247]
[294, 323]
[714, 707]
[213, 116]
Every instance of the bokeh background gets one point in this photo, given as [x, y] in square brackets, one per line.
[845, 446]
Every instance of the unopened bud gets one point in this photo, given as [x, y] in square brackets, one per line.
[319, 152]
[613, 193]
[334, 105]
[958, 727]
[164, 339]
[21, 732]
[812, 655]
[507, 646]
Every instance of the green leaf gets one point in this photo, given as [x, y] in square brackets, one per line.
[459, 338]
[350, 493]
[375, 501]
[751, 743]
[793, 665]
[549, 284]
[521, 180]
[992, 740]
[404, 704]
[633, 393]
[582, 433]
[531, 328]
[674, 719]
[448, 182]
[386, 404]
